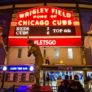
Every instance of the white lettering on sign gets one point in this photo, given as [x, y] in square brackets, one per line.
[18, 68]
[45, 42]
[45, 16]
[34, 11]
[67, 31]
[22, 30]
[61, 22]
[62, 30]
[33, 23]
[57, 30]
[44, 22]
[61, 13]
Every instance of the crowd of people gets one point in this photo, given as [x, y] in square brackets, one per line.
[69, 85]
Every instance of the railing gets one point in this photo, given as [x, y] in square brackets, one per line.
[15, 87]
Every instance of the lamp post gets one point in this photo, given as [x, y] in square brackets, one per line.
[3, 78]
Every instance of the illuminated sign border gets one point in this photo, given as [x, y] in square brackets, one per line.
[74, 40]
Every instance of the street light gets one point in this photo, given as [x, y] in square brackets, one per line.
[4, 68]
[3, 78]
[31, 68]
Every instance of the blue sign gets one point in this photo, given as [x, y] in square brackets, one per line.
[19, 68]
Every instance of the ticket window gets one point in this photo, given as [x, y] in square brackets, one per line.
[31, 77]
[23, 77]
[7, 77]
[27, 76]
[15, 77]
[11, 76]
[19, 77]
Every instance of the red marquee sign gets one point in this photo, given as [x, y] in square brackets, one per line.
[46, 22]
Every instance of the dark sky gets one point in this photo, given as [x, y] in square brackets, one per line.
[16, 1]
[86, 16]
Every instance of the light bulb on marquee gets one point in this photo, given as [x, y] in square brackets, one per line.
[48, 32]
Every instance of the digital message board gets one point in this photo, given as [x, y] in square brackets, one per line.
[45, 24]
[45, 31]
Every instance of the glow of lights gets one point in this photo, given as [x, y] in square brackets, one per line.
[4, 68]
[31, 68]
[48, 32]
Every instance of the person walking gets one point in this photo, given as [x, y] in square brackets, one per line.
[64, 87]
[75, 85]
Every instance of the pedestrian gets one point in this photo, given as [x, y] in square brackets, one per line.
[87, 84]
[47, 61]
[75, 85]
[64, 87]
[59, 81]
[48, 79]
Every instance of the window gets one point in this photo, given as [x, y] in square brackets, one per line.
[56, 54]
[70, 53]
[19, 52]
